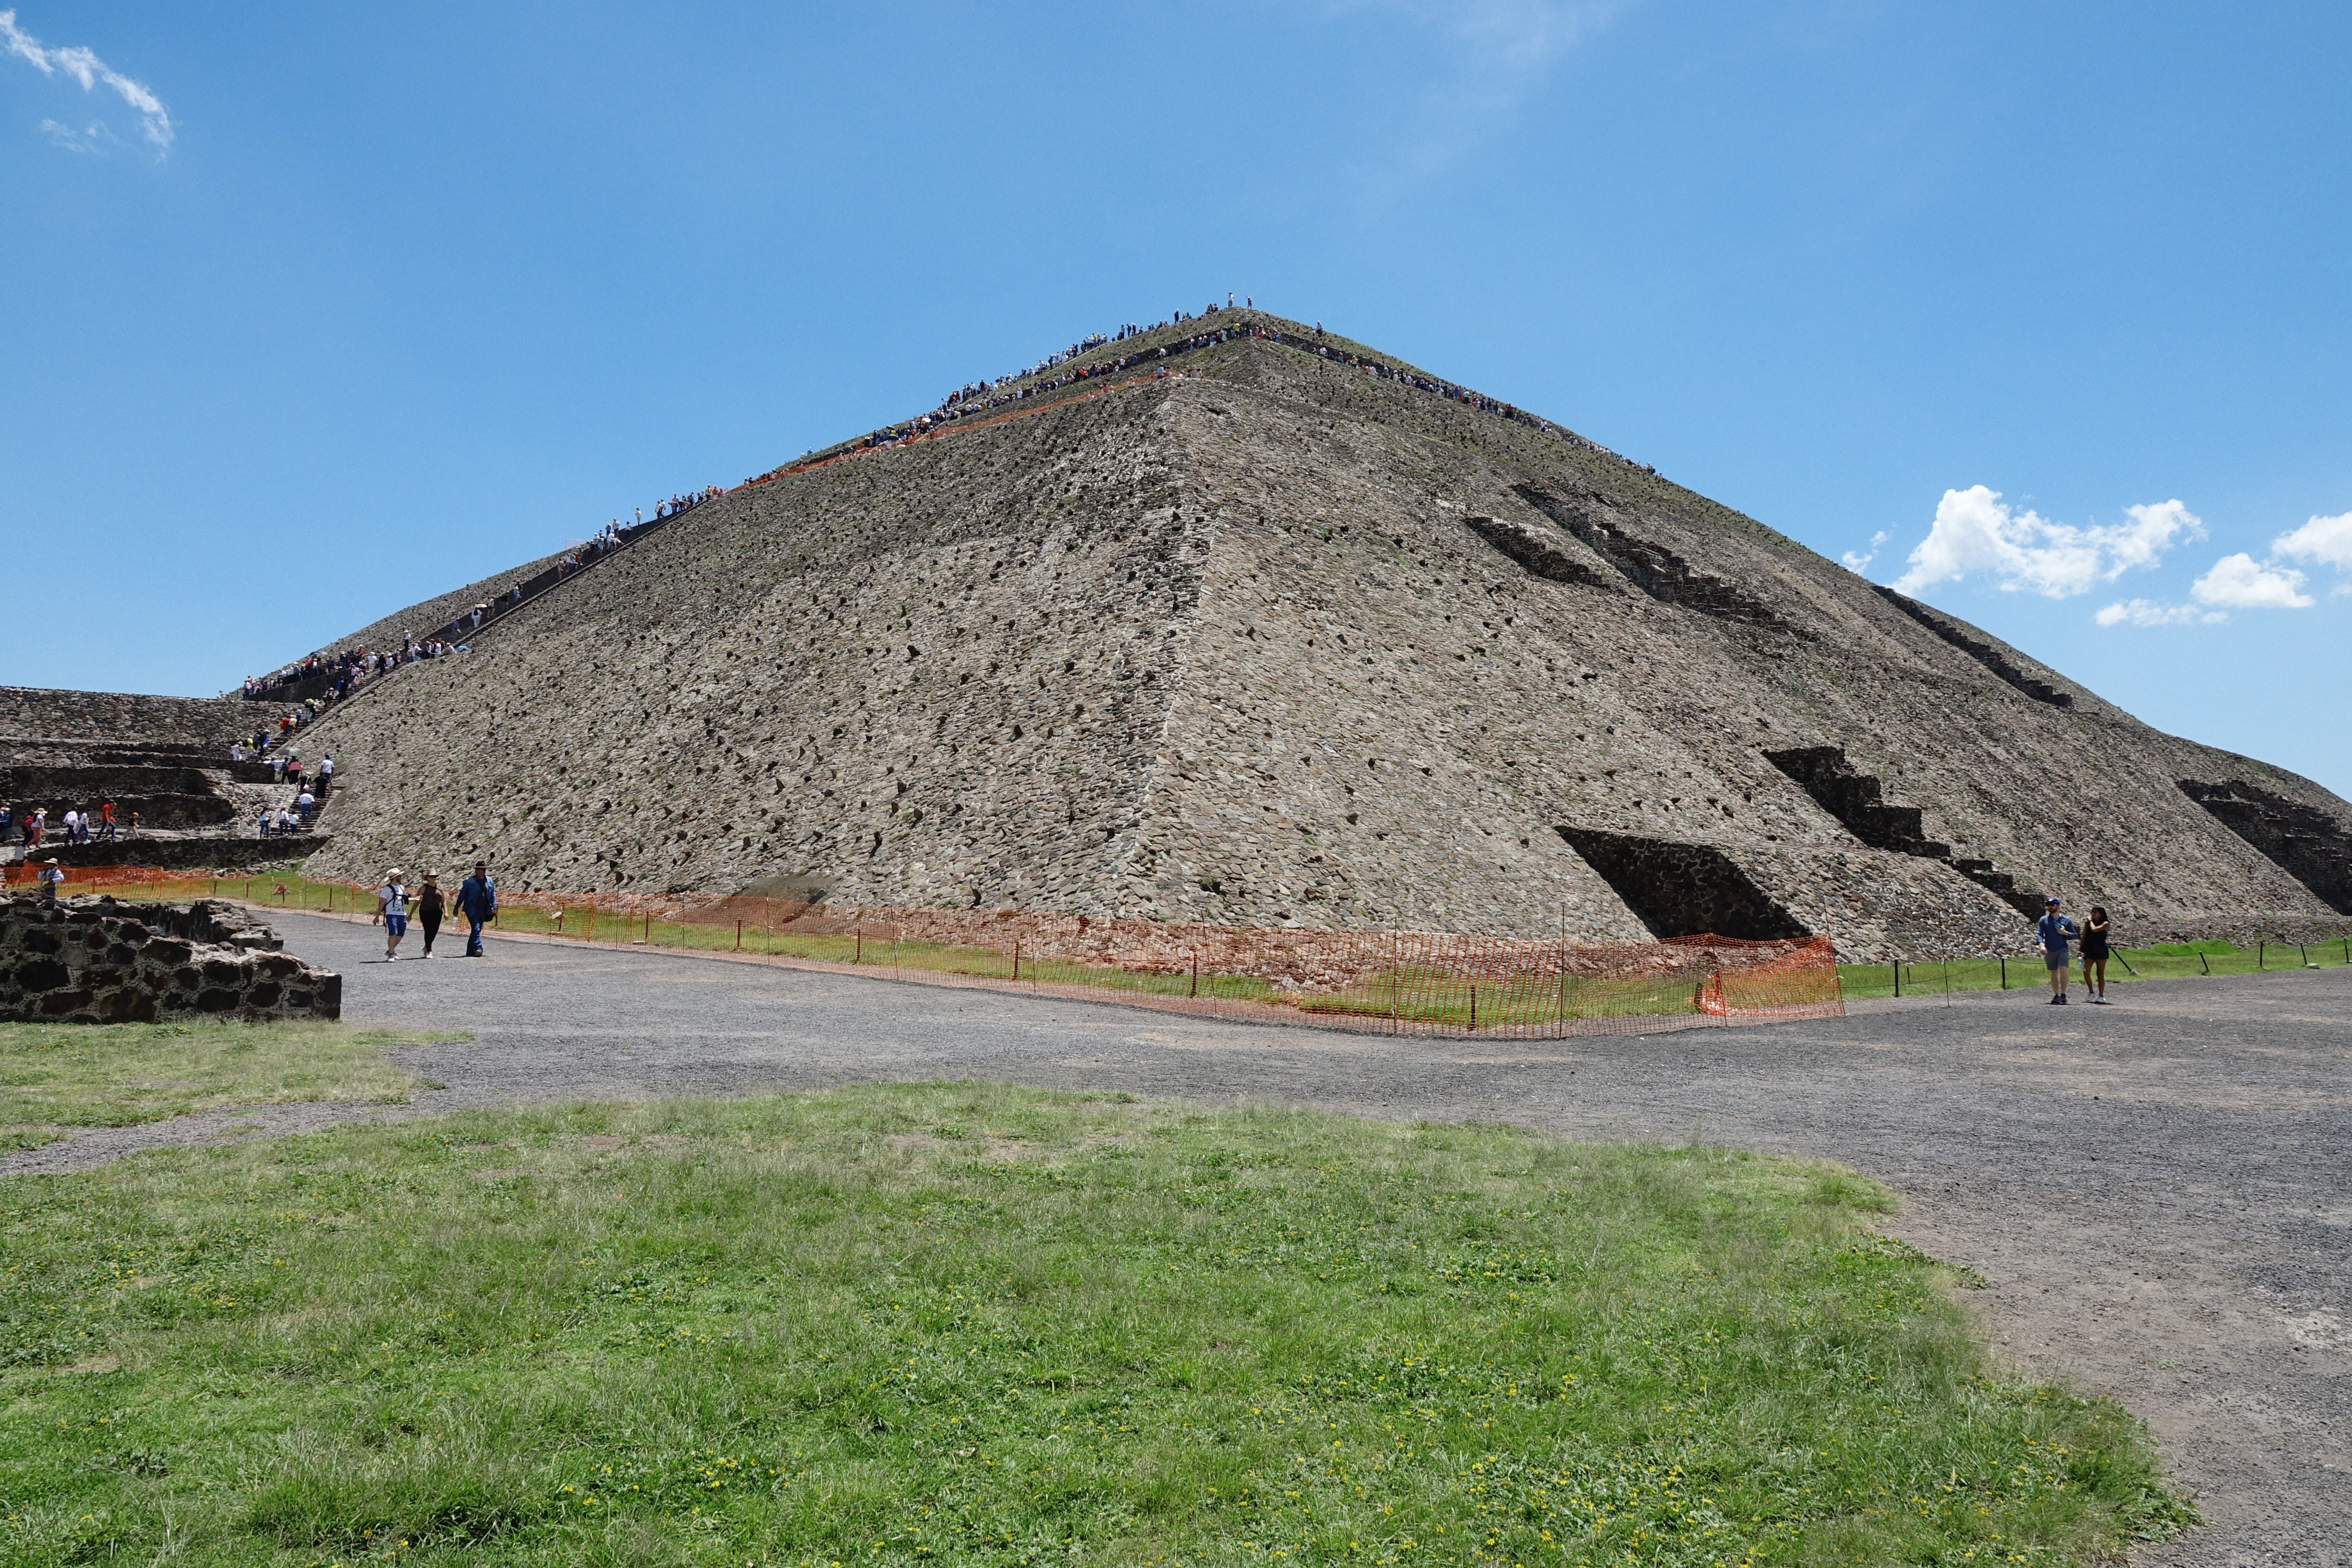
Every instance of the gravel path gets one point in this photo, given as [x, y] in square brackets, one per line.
[2156, 1190]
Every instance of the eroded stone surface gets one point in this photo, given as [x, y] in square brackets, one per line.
[1229, 647]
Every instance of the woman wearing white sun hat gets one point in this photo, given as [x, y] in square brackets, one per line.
[392, 909]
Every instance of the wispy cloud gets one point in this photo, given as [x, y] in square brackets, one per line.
[2156, 612]
[86, 67]
[1491, 54]
[1855, 559]
[1975, 532]
[2240, 583]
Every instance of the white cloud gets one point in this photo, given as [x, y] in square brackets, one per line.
[87, 68]
[2326, 540]
[1975, 530]
[1855, 559]
[2241, 583]
[73, 141]
[2156, 612]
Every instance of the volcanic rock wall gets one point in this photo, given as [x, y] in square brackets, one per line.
[1278, 641]
[99, 961]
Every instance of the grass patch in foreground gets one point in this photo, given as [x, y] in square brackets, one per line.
[979, 1325]
[55, 1078]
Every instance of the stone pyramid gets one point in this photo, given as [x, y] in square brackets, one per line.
[1233, 621]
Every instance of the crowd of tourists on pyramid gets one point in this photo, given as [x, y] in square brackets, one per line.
[331, 677]
[74, 826]
[980, 397]
[679, 504]
[342, 671]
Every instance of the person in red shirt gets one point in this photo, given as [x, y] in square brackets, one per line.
[106, 821]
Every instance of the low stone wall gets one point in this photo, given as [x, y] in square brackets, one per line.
[32, 712]
[242, 853]
[95, 961]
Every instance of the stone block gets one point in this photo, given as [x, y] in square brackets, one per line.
[100, 962]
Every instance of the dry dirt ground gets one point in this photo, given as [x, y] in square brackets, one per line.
[2156, 1192]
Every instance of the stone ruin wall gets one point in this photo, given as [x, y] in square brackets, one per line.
[211, 723]
[94, 961]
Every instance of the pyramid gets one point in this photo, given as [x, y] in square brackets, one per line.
[1233, 621]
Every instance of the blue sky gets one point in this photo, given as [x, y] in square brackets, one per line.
[310, 311]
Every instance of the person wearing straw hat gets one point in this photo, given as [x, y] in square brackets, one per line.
[51, 877]
[392, 909]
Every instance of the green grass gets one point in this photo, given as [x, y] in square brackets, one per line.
[2172, 961]
[976, 1325]
[55, 1078]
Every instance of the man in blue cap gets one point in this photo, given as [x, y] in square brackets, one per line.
[478, 900]
[2052, 936]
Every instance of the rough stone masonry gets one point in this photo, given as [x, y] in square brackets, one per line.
[94, 961]
[1279, 640]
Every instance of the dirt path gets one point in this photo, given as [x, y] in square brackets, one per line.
[2157, 1191]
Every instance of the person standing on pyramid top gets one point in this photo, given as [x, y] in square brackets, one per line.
[2052, 936]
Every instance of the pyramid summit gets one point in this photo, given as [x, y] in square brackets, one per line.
[1234, 621]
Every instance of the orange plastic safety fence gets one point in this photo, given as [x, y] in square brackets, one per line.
[1402, 982]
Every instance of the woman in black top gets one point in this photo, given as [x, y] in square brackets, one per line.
[2095, 954]
[428, 909]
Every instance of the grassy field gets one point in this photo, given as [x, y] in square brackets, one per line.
[973, 1325]
[2174, 961]
[55, 1078]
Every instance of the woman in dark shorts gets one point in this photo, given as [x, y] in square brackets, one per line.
[2095, 954]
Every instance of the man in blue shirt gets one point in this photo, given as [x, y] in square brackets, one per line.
[478, 900]
[2052, 936]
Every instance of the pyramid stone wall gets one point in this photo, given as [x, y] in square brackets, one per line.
[938, 679]
[1277, 641]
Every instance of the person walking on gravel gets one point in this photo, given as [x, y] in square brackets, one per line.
[478, 900]
[392, 909]
[51, 878]
[2053, 936]
[428, 909]
[2094, 955]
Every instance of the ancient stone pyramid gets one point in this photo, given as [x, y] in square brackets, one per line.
[1273, 629]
